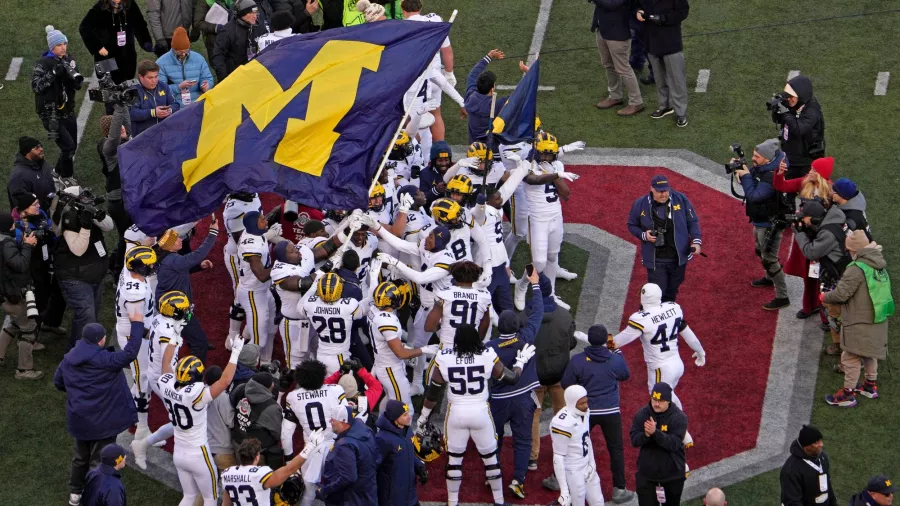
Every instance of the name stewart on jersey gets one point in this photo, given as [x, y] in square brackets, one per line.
[313, 394]
[657, 318]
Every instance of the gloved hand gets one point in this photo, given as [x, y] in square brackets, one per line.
[350, 365]
[574, 146]
[524, 355]
[177, 340]
[450, 77]
[286, 380]
[422, 474]
[392, 174]
[568, 176]
[406, 202]
[699, 359]
[86, 219]
[387, 259]
[236, 346]
[481, 199]
[315, 440]
[147, 46]
[160, 48]
[370, 222]
[430, 349]
[273, 232]
[611, 343]
[513, 156]
[471, 162]
[564, 499]
[581, 336]
[423, 419]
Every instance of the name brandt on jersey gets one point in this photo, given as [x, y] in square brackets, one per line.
[173, 394]
[328, 310]
[465, 295]
[663, 316]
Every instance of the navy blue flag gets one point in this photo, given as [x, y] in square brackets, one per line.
[515, 122]
[310, 119]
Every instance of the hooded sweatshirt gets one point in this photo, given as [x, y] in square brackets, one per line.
[397, 472]
[800, 479]
[257, 415]
[662, 454]
[599, 371]
[555, 338]
[823, 244]
[803, 127]
[855, 212]
[760, 194]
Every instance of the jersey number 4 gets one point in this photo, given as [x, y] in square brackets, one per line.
[466, 380]
[661, 336]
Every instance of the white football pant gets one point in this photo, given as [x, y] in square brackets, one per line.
[197, 474]
[260, 328]
[669, 372]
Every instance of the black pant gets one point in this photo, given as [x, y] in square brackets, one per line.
[116, 210]
[611, 425]
[646, 491]
[669, 276]
[67, 142]
[194, 337]
[55, 307]
[85, 455]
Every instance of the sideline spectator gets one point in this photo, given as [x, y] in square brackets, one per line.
[109, 31]
[115, 205]
[349, 473]
[185, 72]
[303, 11]
[662, 39]
[599, 371]
[848, 197]
[257, 415]
[658, 430]
[236, 41]
[55, 81]
[31, 174]
[155, 103]
[98, 400]
[802, 126]
[399, 464]
[15, 275]
[219, 421]
[281, 29]
[670, 213]
[248, 365]
[715, 497]
[209, 30]
[806, 474]
[166, 16]
[104, 486]
[864, 295]
[879, 491]
[611, 23]
[371, 11]
[480, 89]
[356, 379]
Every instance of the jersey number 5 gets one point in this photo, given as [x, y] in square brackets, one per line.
[660, 337]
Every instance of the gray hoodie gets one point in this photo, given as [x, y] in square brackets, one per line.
[219, 420]
[824, 244]
[855, 211]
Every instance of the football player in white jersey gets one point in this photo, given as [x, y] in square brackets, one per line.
[460, 304]
[406, 159]
[573, 452]
[310, 405]
[236, 206]
[331, 317]
[658, 324]
[467, 369]
[418, 222]
[186, 397]
[173, 312]
[254, 273]
[480, 166]
[290, 275]
[134, 295]
[365, 244]
[250, 484]
[463, 232]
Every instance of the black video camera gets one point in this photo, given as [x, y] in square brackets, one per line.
[107, 91]
[778, 103]
[739, 163]
[85, 201]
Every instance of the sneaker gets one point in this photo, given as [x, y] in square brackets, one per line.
[74, 499]
[519, 292]
[38, 347]
[518, 489]
[59, 331]
[139, 448]
[29, 374]
[550, 483]
[562, 273]
[532, 465]
[868, 389]
[621, 495]
[776, 304]
[843, 398]
[802, 315]
[762, 282]
[630, 110]
[681, 122]
[609, 103]
[662, 113]
[560, 303]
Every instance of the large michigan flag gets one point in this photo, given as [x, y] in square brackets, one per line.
[515, 122]
[309, 119]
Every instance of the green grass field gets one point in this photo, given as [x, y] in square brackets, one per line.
[842, 56]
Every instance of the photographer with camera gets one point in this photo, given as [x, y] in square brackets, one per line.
[767, 214]
[54, 81]
[81, 259]
[154, 103]
[799, 118]
[15, 296]
[669, 230]
[31, 174]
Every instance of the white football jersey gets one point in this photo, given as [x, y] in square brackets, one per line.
[461, 305]
[433, 18]
[163, 330]
[442, 259]
[250, 246]
[133, 237]
[543, 200]
[523, 149]
[468, 378]
[133, 292]
[492, 228]
[365, 252]
[495, 174]
[233, 218]
[659, 328]
[245, 485]
[333, 323]
[312, 408]
[187, 410]
[571, 436]
[418, 223]
[384, 327]
[290, 299]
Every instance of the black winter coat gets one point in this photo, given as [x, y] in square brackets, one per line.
[554, 340]
[662, 454]
[31, 176]
[802, 128]
[52, 87]
[232, 44]
[800, 482]
[14, 268]
[611, 17]
[664, 37]
[100, 27]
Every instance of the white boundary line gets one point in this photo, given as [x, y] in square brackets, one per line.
[507, 87]
[84, 112]
[14, 66]
[702, 81]
[540, 29]
[881, 83]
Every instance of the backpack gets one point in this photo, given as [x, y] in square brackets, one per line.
[831, 270]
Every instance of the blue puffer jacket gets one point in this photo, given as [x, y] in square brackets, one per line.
[397, 473]
[599, 371]
[143, 113]
[173, 72]
[758, 188]
[687, 226]
[99, 403]
[349, 474]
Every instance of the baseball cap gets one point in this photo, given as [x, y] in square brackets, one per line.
[660, 183]
[113, 454]
[341, 413]
[880, 484]
[813, 209]
[845, 188]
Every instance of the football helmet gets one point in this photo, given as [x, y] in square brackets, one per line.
[141, 260]
[484, 154]
[242, 196]
[388, 295]
[409, 293]
[447, 212]
[176, 305]
[547, 147]
[189, 370]
[402, 147]
[377, 195]
[460, 184]
[429, 443]
[290, 492]
[330, 287]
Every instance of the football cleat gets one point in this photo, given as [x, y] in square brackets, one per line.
[519, 292]
[562, 273]
[560, 303]
[139, 449]
[518, 489]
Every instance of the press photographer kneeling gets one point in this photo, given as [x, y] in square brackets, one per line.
[16, 296]
[767, 211]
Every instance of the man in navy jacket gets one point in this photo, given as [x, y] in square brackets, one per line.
[431, 180]
[399, 464]
[155, 103]
[516, 403]
[99, 404]
[669, 212]
[480, 90]
[599, 371]
[349, 473]
[611, 23]
[104, 483]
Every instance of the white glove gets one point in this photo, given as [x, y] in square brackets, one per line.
[564, 499]
[513, 156]
[471, 163]
[699, 359]
[524, 355]
[449, 77]
[575, 146]
[423, 419]
[315, 439]
[568, 176]
[581, 336]
[430, 349]
[368, 221]
[406, 202]
[386, 259]
[177, 340]
[273, 232]
[236, 346]
[391, 175]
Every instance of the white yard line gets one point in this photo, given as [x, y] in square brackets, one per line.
[540, 29]
[881, 83]
[84, 112]
[14, 66]
[792, 74]
[702, 81]
[507, 87]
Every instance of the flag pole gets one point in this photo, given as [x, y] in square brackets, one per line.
[399, 128]
[490, 142]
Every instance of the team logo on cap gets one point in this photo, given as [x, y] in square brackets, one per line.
[657, 396]
[664, 428]
[887, 483]
[121, 458]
